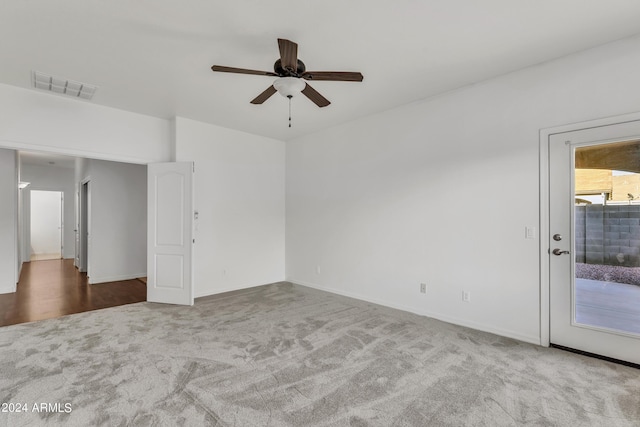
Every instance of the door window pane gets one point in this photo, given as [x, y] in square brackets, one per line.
[607, 236]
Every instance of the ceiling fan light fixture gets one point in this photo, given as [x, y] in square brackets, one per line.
[289, 86]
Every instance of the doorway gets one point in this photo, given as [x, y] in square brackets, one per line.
[593, 240]
[47, 212]
[106, 203]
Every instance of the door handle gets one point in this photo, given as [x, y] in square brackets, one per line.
[557, 251]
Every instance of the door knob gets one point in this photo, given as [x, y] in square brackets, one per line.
[557, 251]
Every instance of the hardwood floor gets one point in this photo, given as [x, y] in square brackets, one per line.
[54, 288]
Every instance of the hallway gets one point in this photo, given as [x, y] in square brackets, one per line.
[54, 288]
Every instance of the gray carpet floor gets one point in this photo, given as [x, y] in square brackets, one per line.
[286, 355]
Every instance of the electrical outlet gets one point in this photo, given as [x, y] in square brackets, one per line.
[423, 288]
[466, 296]
[317, 269]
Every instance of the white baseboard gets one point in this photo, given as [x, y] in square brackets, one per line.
[439, 316]
[232, 288]
[94, 281]
[7, 290]
[221, 291]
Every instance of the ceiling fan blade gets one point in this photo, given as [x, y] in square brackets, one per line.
[315, 96]
[264, 95]
[241, 71]
[288, 54]
[340, 76]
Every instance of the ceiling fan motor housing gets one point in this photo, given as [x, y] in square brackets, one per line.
[281, 71]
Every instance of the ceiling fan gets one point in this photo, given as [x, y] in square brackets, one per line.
[291, 73]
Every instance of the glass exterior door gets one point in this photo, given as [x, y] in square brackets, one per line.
[594, 254]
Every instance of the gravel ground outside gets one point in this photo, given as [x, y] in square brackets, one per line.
[608, 273]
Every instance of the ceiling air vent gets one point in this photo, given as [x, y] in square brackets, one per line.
[63, 86]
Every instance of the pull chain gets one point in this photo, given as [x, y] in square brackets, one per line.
[290, 96]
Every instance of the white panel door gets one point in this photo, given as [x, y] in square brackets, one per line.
[170, 233]
[592, 247]
[46, 224]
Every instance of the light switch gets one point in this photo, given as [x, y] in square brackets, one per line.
[529, 232]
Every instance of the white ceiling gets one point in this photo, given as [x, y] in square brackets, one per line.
[154, 56]
[47, 159]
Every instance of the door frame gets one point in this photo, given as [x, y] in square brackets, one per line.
[43, 147]
[84, 225]
[545, 282]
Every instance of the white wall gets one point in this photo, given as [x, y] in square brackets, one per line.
[80, 171]
[20, 242]
[8, 221]
[118, 248]
[239, 194]
[50, 178]
[440, 191]
[35, 120]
